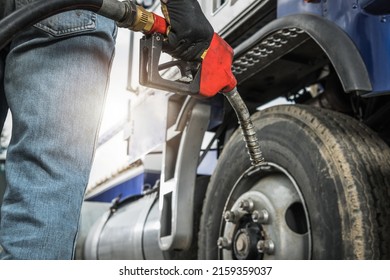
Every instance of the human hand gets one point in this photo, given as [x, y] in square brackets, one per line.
[189, 31]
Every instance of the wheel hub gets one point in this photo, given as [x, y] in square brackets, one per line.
[267, 220]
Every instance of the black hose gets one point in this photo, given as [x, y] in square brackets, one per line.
[36, 11]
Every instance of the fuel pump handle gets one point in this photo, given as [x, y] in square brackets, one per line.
[203, 79]
[212, 75]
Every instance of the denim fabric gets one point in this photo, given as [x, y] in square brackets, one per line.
[55, 76]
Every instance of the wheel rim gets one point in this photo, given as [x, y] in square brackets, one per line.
[265, 217]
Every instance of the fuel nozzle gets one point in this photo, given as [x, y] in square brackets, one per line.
[137, 18]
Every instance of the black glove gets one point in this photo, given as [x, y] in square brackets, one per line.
[190, 33]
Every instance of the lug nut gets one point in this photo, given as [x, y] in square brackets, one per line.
[247, 205]
[224, 243]
[266, 247]
[230, 216]
[261, 217]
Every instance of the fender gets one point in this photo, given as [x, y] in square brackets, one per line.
[335, 43]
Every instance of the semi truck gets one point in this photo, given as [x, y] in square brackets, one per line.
[323, 191]
[314, 75]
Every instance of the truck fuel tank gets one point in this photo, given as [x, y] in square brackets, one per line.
[128, 231]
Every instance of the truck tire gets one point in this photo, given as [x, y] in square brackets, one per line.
[324, 193]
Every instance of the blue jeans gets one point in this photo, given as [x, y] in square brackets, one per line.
[55, 76]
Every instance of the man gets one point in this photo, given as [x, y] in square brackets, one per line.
[53, 78]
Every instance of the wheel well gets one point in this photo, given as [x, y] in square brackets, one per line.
[294, 52]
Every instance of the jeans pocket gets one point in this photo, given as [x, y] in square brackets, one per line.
[66, 23]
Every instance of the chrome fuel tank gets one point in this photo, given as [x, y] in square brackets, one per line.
[129, 232]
